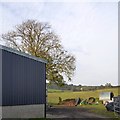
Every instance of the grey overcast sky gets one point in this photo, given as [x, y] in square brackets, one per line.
[89, 30]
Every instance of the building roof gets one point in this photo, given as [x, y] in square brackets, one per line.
[22, 54]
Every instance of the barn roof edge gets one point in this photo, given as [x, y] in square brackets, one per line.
[22, 54]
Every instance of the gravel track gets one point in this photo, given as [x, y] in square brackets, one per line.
[70, 112]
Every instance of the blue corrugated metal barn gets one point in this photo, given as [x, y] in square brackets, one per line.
[22, 78]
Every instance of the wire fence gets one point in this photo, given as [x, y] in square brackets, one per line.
[117, 106]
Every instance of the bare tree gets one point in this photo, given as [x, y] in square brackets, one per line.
[38, 39]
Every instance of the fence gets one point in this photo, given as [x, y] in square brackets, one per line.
[117, 105]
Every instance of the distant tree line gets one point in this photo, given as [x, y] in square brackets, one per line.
[73, 87]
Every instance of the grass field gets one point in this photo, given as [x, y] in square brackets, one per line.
[53, 99]
[54, 91]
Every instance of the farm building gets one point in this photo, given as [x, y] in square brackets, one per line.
[22, 85]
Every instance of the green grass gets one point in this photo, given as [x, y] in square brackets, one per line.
[53, 99]
[54, 91]
[100, 110]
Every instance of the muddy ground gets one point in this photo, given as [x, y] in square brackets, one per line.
[70, 112]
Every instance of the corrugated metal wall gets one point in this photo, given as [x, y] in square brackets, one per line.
[0, 77]
[23, 80]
